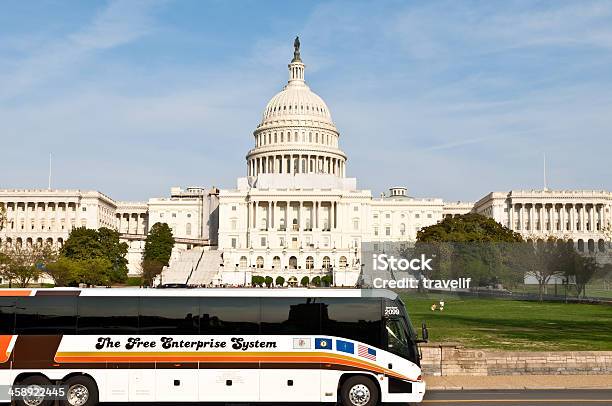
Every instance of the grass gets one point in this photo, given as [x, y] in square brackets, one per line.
[503, 324]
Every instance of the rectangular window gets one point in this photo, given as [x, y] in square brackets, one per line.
[229, 315]
[45, 315]
[388, 231]
[233, 243]
[105, 315]
[290, 316]
[263, 241]
[169, 315]
[355, 319]
[7, 316]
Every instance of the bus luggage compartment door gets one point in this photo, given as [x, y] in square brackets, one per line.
[228, 385]
[278, 385]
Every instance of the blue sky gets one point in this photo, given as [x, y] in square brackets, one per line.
[450, 99]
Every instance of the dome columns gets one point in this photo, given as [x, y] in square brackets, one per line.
[297, 163]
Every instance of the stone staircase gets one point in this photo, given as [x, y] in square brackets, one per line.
[181, 266]
[207, 269]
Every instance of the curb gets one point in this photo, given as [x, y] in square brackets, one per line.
[461, 388]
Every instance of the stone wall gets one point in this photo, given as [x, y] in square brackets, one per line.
[452, 359]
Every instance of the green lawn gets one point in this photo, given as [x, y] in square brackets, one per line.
[513, 325]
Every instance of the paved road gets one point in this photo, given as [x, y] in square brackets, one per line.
[579, 397]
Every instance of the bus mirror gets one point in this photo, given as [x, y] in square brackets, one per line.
[424, 332]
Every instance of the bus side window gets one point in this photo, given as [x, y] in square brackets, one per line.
[228, 315]
[169, 315]
[7, 315]
[356, 319]
[293, 315]
[45, 315]
[106, 315]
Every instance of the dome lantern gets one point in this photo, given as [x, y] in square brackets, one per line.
[296, 67]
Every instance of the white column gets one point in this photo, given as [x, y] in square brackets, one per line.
[563, 221]
[521, 218]
[511, 217]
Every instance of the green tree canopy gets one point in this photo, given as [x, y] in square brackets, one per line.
[159, 244]
[469, 246]
[469, 227]
[96, 248]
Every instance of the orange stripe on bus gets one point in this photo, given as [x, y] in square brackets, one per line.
[5, 354]
[15, 292]
[164, 357]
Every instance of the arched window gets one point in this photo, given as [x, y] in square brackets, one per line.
[276, 262]
[292, 262]
[295, 225]
[260, 262]
[326, 262]
[591, 245]
[601, 245]
[342, 263]
[188, 228]
[581, 245]
[309, 262]
[243, 262]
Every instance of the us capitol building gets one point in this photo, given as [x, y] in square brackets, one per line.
[296, 213]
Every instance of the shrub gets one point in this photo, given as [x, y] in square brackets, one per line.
[316, 281]
[305, 280]
[280, 281]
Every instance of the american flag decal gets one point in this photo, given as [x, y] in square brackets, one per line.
[366, 352]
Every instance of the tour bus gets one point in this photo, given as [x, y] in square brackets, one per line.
[356, 347]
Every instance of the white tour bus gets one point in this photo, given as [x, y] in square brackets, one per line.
[352, 346]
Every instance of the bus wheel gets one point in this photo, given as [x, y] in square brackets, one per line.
[81, 391]
[359, 391]
[33, 384]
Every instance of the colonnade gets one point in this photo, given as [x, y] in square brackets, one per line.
[296, 163]
[293, 215]
[558, 217]
[41, 216]
[132, 223]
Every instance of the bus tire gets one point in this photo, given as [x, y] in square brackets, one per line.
[81, 391]
[34, 380]
[359, 390]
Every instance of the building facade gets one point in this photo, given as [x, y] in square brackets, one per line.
[582, 216]
[296, 213]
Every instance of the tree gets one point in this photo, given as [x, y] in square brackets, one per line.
[82, 243]
[327, 280]
[268, 281]
[2, 215]
[150, 269]
[257, 280]
[63, 271]
[97, 248]
[581, 269]
[24, 264]
[469, 227]
[316, 281]
[159, 244]
[157, 251]
[305, 281]
[115, 251]
[542, 260]
[280, 281]
[471, 246]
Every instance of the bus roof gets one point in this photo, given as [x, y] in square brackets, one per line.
[205, 292]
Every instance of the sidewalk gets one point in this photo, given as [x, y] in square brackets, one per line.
[519, 382]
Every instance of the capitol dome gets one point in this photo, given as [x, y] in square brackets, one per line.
[296, 134]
